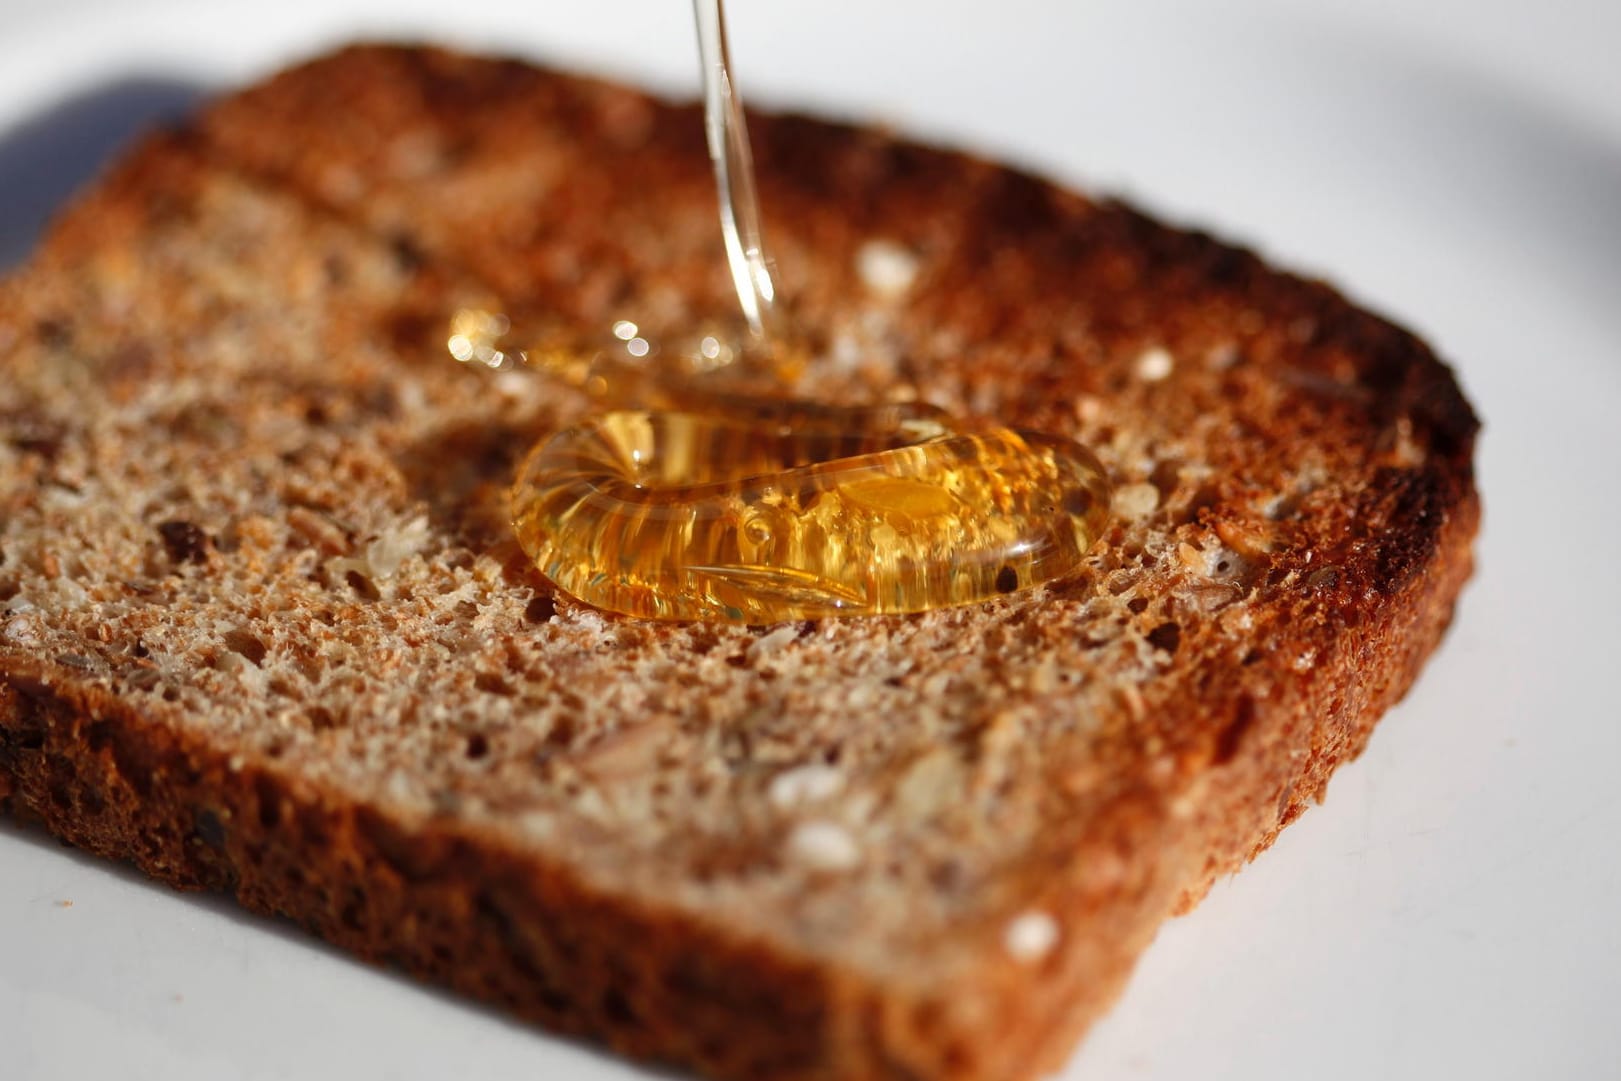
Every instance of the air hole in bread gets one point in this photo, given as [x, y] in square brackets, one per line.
[618, 1009]
[98, 736]
[1185, 504]
[1323, 578]
[28, 739]
[541, 609]
[407, 252]
[33, 433]
[562, 734]
[91, 801]
[1167, 636]
[248, 645]
[53, 333]
[269, 803]
[353, 915]
[1166, 476]
[362, 585]
[1232, 736]
[184, 541]
[209, 829]
[321, 719]
[490, 683]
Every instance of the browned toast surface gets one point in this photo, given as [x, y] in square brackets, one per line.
[264, 628]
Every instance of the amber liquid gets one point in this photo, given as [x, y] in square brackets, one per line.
[856, 512]
[690, 499]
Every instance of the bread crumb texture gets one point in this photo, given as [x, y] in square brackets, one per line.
[263, 627]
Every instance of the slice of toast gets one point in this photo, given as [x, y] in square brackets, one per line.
[265, 629]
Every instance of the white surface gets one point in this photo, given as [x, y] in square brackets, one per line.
[1454, 910]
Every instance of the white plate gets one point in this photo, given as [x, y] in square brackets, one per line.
[1453, 910]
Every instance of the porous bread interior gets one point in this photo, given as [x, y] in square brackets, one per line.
[246, 492]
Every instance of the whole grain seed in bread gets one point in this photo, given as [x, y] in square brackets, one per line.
[266, 631]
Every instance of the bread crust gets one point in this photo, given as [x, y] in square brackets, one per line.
[1228, 699]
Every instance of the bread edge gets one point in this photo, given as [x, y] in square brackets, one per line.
[651, 983]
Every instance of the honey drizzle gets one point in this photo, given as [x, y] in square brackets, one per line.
[691, 499]
[728, 136]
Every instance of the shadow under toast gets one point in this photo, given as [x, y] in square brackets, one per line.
[47, 158]
[14, 831]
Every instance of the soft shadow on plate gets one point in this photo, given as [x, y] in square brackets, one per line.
[288, 934]
[47, 158]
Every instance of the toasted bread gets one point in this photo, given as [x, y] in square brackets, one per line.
[266, 631]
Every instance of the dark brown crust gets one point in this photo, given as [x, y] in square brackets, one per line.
[452, 911]
[442, 907]
[1354, 617]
